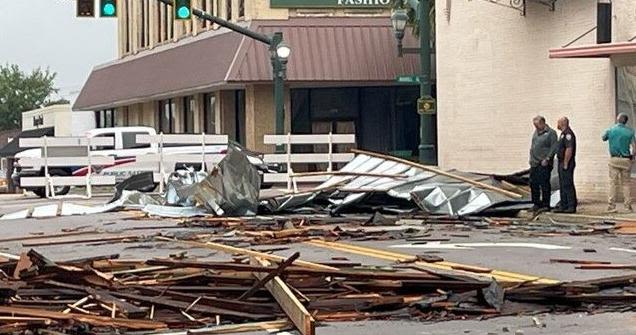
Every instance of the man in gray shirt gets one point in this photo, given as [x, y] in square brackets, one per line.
[542, 150]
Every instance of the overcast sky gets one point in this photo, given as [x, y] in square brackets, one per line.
[46, 33]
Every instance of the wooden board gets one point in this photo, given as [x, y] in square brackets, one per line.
[100, 321]
[65, 141]
[183, 139]
[310, 139]
[67, 161]
[67, 181]
[288, 302]
[234, 250]
[309, 158]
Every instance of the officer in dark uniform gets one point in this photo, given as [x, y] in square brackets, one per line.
[566, 153]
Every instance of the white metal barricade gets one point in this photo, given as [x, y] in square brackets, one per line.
[330, 158]
[66, 152]
[207, 156]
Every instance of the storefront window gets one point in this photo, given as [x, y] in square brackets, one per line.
[209, 113]
[187, 113]
[166, 116]
[105, 118]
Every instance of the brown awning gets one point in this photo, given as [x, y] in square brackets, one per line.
[195, 64]
[347, 50]
[623, 53]
[329, 50]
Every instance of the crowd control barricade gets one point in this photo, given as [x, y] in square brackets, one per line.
[286, 156]
[66, 153]
[200, 149]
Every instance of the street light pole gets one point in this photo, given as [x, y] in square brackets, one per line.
[279, 67]
[428, 133]
[426, 105]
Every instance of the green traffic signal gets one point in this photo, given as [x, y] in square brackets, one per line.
[108, 8]
[182, 9]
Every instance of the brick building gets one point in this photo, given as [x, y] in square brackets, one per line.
[190, 77]
[495, 73]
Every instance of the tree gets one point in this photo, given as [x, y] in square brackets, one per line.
[21, 92]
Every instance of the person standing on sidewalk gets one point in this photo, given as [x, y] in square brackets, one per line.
[620, 138]
[566, 163]
[544, 142]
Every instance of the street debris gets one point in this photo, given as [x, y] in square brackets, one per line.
[260, 291]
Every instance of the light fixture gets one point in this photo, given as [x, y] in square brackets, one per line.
[399, 18]
[283, 51]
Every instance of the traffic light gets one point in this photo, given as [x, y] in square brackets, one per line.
[182, 9]
[108, 8]
[85, 8]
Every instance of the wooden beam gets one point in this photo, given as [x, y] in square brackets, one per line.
[100, 321]
[269, 277]
[233, 250]
[288, 302]
[439, 172]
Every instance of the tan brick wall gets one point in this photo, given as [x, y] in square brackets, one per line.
[494, 75]
[623, 20]
[260, 116]
[259, 9]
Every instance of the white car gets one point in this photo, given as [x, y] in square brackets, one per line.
[126, 152]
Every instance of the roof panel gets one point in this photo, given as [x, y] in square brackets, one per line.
[330, 49]
[188, 65]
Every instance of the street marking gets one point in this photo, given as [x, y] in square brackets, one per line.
[470, 246]
[623, 249]
[502, 276]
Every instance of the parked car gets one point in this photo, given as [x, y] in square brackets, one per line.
[127, 152]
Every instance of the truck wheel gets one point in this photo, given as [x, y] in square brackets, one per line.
[59, 190]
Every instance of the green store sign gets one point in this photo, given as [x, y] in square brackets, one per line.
[330, 3]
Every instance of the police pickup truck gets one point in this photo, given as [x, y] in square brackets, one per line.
[126, 152]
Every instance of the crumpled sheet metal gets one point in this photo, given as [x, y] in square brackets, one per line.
[460, 199]
[129, 199]
[180, 187]
[430, 192]
[174, 211]
[231, 189]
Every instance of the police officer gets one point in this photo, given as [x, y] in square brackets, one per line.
[566, 153]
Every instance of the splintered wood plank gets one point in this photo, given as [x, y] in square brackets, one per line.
[24, 263]
[251, 253]
[99, 321]
[288, 302]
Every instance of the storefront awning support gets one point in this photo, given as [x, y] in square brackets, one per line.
[279, 51]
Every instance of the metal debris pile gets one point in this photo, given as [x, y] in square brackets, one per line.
[370, 182]
[374, 182]
[260, 291]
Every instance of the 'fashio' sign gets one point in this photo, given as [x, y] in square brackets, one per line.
[330, 3]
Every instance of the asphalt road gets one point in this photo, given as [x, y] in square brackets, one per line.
[494, 248]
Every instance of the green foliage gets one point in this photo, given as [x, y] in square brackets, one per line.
[20, 92]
